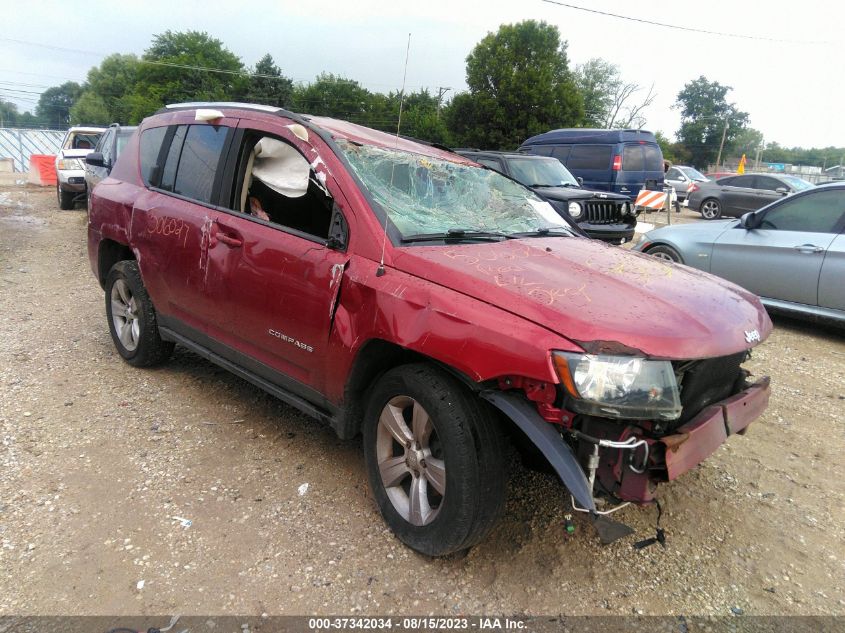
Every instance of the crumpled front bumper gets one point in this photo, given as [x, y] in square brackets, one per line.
[699, 438]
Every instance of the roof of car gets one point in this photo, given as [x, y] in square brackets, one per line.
[86, 129]
[464, 151]
[336, 128]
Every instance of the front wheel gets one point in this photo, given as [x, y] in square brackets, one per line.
[65, 199]
[666, 253]
[132, 318]
[434, 459]
[711, 209]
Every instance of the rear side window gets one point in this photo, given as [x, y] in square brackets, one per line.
[653, 157]
[632, 158]
[168, 174]
[742, 181]
[151, 141]
[561, 152]
[589, 157]
[200, 157]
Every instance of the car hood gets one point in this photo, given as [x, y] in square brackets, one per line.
[75, 153]
[570, 193]
[605, 299]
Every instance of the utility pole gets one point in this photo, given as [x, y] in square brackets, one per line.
[722, 144]
[441, 90]
[759, 153]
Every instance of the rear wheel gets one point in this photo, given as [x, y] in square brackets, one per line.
[434, 459]
[65, 198]
[666, 253]
[711, 209]
[132, 318]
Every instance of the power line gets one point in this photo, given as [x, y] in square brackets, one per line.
[678, 27]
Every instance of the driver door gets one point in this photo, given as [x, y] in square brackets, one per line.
[782, 258]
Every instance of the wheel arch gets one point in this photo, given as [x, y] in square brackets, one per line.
[108, 254]
[665, 244]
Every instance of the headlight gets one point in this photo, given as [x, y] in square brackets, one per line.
[575, 209]
[69, 163]
[624, 387]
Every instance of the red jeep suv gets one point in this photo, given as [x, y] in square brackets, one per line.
[400, 291]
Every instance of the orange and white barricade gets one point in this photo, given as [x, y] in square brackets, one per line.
[651, 199]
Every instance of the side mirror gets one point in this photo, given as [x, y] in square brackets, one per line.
[95, 159]
[749, 220]
[580, 181]
[782, 191]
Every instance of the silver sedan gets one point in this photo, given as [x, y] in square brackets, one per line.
[791, 253]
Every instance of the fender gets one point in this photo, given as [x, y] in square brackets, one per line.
[545, 438]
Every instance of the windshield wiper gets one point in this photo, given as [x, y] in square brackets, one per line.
[457, 234]
[546, 231]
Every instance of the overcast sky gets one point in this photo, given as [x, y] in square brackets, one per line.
[792, 90]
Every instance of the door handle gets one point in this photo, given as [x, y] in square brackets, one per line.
[808, 248]
[218, 235]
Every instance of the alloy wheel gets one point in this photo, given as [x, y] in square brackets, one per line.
[410, 460]
[124, 314]
[710, 209]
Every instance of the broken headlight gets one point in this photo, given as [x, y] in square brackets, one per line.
[625, 387]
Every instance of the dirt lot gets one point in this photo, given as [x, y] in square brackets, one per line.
[97, 460]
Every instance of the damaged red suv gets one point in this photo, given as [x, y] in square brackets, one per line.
[439, 309]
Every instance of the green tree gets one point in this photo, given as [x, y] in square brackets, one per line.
[334, 96]
[107, 92]
[519, 85]
[610, 101]
[185, 66]
[54, 104]
[9, 114]
[705, 112]
[272, 88]
[746, 141]
[675, 153]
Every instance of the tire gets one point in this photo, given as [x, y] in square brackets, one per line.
[456, 434]
[65, 199]
[666, 253]
[711, 209]
[132, 318]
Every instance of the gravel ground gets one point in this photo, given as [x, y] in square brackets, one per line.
[100, 462]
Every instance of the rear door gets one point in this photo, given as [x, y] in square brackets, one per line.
[172, 219]
[831, 286]
[641, 162]
[767, 190]
[782, 259]
[738, 195]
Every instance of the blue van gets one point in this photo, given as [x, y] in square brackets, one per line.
[620, 161]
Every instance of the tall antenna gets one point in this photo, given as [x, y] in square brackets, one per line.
[380, 269]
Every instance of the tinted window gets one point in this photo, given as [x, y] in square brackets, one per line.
[201, 153]
[561, 152]
[771, 184]
[589, 157]
[168, 174]
[741, 181]
[151, 141]
[814, 213]
[488, 162]
[104, 147]
[729, 181]
[632, 158]
[653, 157]
[543, 150]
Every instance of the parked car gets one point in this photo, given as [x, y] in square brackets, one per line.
[402, 292]
[680, 177]
[736, 195]
[98, 163]
[70, 170]
[791, 253]
[603, 216]
[620, 161]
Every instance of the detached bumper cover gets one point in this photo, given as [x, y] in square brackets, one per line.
[699, 438]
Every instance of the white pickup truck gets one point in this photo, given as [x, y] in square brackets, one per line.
[70, 164]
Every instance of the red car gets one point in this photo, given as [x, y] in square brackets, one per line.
[399, 291]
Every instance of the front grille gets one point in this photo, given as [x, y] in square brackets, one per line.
[704, 382]
[603, 211]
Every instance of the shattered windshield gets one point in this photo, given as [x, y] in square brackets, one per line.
[425, 195]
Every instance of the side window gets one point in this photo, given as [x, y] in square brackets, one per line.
[561, 152]
[673, 174]
[489, 162]
[104, 146]
[653, 157]
[171, 162]
[632, 158]
[770, 184]
[589, 157]
[727, 182]
[542, 150]
[151, 141]
[277, 185]
[200, 157]
[814, 213]
[743, 181]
